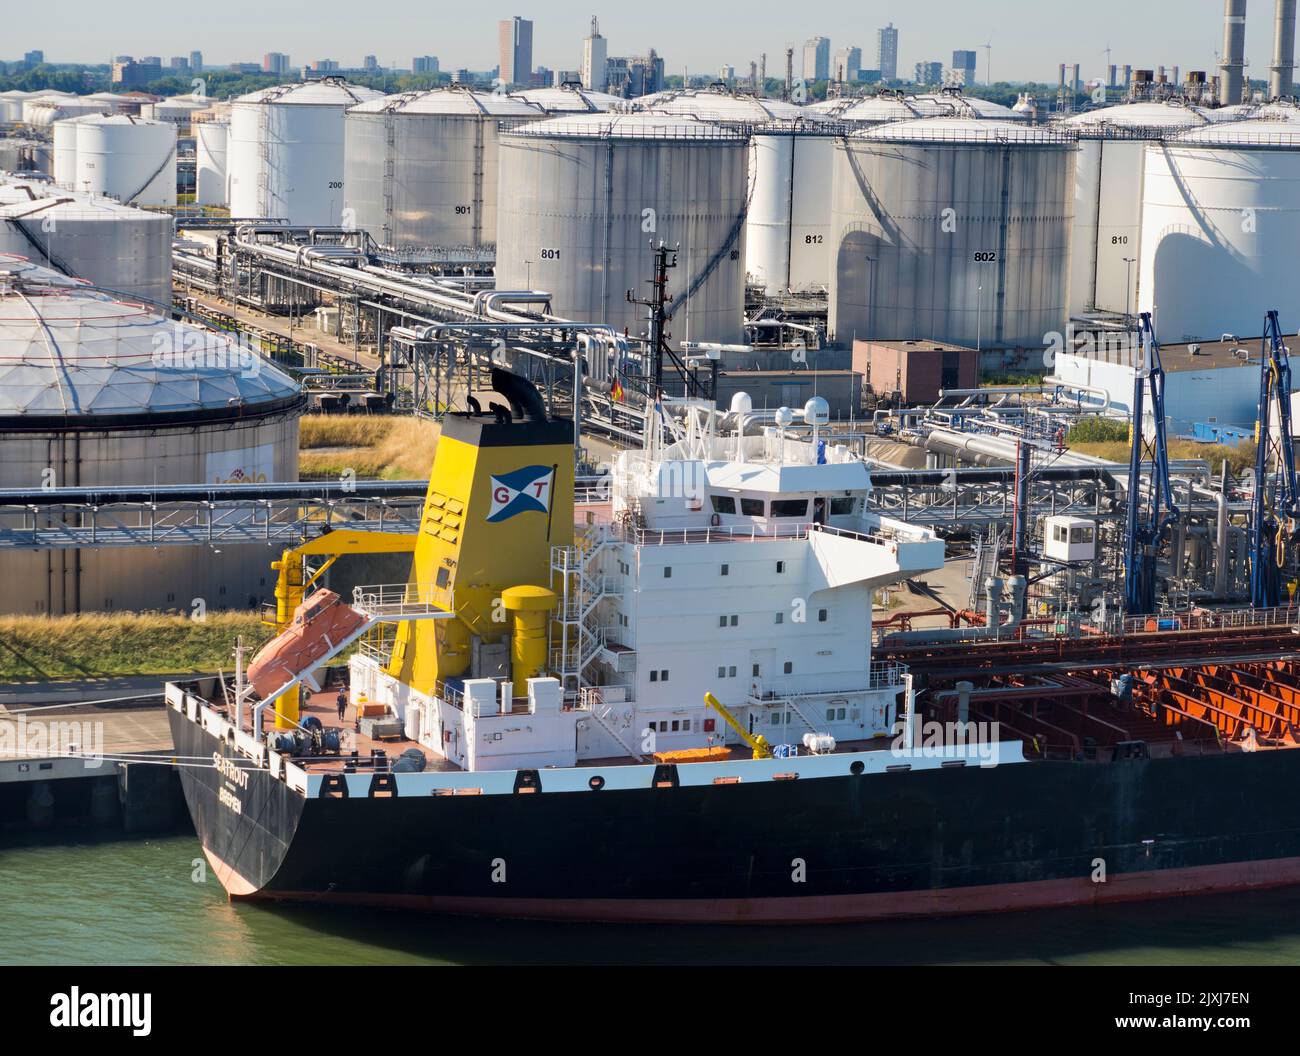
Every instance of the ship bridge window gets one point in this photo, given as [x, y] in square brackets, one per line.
[724, 504]
[789, 507]
[843, 507]
[751, 507]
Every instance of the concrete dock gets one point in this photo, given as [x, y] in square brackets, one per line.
[62, 763]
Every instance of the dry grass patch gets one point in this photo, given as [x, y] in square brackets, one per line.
[378, 447]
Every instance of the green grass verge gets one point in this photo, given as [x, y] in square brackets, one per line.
[105, 644]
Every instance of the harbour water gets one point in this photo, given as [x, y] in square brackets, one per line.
[101, 902]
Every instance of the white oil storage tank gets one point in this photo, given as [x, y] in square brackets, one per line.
[63, 138]
[886, 105]
[211, 181]
[952, 229]
[952, 102]
[127, 158]
[178, 109]
[787, 227]
[582, 197]
[420, 171]
[116, 247]
[1108, 198]
[132, 398]
[43, 110]
[285, 151]
[571, 98]
[11, 105]
[1220, 226]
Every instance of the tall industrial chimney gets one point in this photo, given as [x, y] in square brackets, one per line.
[789, 71]
[1282, 69]
[1233, 65]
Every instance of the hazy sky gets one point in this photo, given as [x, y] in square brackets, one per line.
[1029, 38]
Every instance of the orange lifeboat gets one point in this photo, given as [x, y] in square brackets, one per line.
[319, 623]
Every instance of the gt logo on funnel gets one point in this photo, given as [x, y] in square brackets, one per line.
[520, 491]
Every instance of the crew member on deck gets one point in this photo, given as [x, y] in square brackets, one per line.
[342, 702]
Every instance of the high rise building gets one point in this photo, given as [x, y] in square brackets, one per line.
[848, 64]
[133, 74]
[179, 62]
[617, 76]
[515, 37]
[963, 66]
[424, 64]
[370, 64]
[645, 74]
[595, 53]
[817, 59]
[929, 73]
[887, 53]
[196, 61]
[275, 62]
[34, 58]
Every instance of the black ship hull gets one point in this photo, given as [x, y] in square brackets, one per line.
[920, 843]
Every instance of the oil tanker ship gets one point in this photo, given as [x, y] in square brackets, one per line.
[527, 732]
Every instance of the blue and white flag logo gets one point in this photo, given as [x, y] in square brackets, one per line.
[520, 491]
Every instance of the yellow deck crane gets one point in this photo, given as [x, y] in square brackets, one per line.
[757, 742]
[292, 584]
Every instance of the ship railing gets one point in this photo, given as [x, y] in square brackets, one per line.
[878, 535]
[1208, 619]
[882, 675]
[381, 651]
[402, 599]
[725, 533]
[453, 695]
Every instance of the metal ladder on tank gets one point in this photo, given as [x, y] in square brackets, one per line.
[264, 170]
[390, 163]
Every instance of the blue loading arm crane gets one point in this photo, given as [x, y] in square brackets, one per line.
[1272, 523]
[1151, 512]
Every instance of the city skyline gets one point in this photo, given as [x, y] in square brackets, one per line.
[716, 38]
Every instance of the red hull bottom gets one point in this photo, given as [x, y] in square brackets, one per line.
[820, 909]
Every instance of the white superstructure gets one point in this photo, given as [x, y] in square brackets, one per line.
[741, 564]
